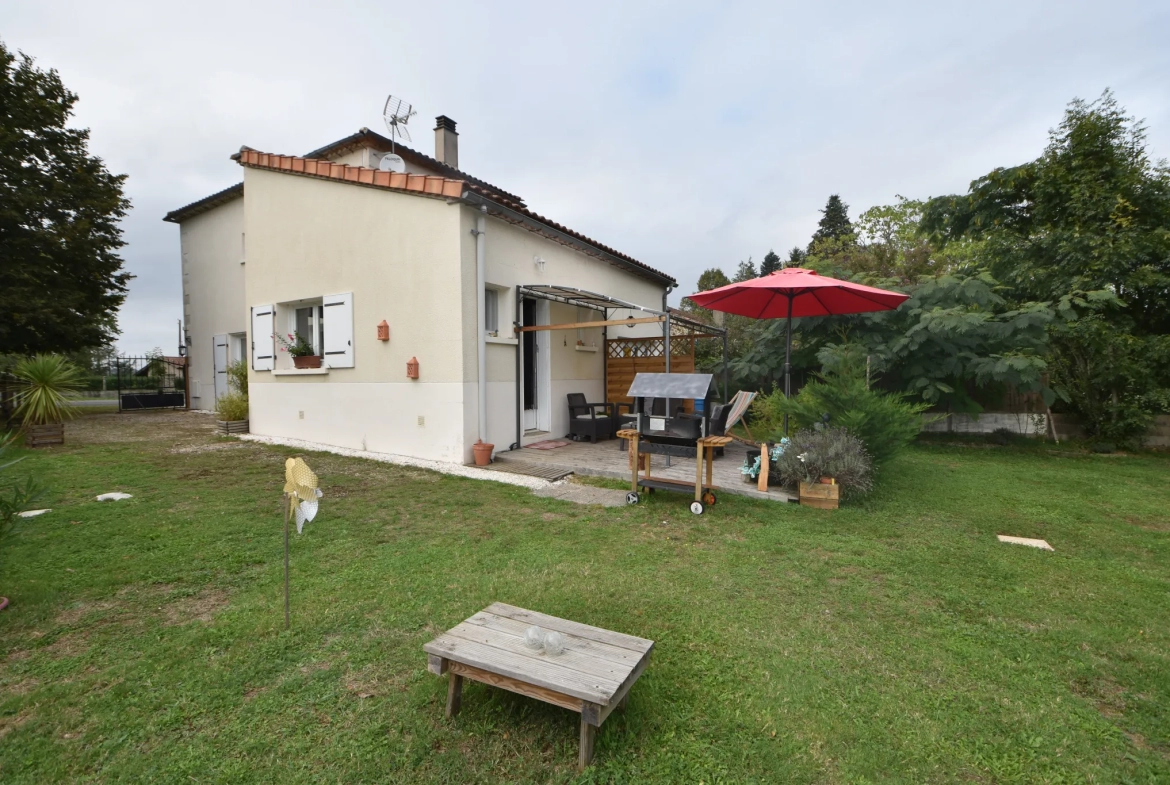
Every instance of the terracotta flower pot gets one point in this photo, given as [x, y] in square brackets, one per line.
[483, 453]
[308, 361]
[827, 481]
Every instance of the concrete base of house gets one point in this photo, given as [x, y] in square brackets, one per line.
[423, 420]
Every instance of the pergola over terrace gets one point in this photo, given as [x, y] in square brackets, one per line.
[672, 352]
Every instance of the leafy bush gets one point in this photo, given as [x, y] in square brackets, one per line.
[232, 406]
[1114, 380]
[826, 452]
[237, 374]
[47, 382]
[884, 422]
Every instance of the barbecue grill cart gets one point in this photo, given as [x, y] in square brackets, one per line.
[662, 428]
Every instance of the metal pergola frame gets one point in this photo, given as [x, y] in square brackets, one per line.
[583, 298]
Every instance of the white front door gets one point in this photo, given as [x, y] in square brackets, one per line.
[220, 365]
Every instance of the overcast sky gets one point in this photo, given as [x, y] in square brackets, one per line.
[688, 135]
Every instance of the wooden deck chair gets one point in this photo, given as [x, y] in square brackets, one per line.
[739, 403]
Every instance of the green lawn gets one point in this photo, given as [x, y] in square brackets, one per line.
[893, 641]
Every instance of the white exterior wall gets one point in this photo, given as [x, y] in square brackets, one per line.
[212, 247]
[401, 257]
[509, 262]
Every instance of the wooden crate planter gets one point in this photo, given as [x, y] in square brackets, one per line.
[227, 427]
[44, 435]
[820, 495]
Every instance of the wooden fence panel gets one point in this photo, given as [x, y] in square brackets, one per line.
[627, 357]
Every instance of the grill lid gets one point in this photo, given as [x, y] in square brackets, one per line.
[671, 385]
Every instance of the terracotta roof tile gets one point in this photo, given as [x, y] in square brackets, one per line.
[419, 183]
[429, 185]
[367, 138]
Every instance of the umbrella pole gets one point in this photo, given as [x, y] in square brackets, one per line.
[788, 363]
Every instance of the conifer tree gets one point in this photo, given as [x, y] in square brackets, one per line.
[834, 223]
[770, 264]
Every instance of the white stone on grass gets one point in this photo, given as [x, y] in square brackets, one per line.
[1041, 544]
[31, 513]
[116, 496]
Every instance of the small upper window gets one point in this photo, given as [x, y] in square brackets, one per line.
[491, 312]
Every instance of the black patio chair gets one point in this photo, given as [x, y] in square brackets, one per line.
[585, 422]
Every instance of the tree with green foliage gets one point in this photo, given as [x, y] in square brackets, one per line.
[796, 257]
[712, 278]
[61, 279]
[955, 333]
[770, 264]
[834, 223]
[1092, 212]
[709, 353]
[745, 271]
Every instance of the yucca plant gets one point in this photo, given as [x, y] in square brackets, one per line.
[48, 381]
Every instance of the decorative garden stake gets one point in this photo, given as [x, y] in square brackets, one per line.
[300, 495]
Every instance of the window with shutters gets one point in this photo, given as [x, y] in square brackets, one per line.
[325, 323]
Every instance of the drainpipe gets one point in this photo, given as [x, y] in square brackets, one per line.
[666, 330]
[519, 407]
[480, 232]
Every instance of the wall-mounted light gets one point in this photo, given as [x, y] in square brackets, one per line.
[539, 263]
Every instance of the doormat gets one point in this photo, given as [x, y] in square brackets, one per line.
[547, 444]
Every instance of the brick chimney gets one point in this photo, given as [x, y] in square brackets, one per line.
[446, 141]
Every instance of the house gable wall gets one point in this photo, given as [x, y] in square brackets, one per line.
[400, 256]
[212, 259]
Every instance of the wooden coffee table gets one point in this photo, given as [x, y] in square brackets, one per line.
[592, 676]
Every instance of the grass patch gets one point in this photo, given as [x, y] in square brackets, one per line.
[894, 640]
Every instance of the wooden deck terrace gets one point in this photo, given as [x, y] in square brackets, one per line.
[611, 459]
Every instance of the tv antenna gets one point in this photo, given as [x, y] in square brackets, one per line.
[397, 114]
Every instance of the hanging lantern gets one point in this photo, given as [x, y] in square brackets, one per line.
[383, 331]
[412, 368]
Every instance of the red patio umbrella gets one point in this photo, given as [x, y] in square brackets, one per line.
[796, 292]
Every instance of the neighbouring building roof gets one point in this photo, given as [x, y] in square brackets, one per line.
[205, 204]
[443, 187]
[367, 138]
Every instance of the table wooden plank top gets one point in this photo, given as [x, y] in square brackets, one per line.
[594, 666]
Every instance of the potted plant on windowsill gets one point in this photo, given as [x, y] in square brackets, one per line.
[299, 349]
[47, 381]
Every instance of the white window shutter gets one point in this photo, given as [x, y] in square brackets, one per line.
[338, 322]
[263, 343]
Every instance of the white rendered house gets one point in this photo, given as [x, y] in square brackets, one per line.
[330, 246]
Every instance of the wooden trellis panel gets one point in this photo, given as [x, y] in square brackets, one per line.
[627, 357]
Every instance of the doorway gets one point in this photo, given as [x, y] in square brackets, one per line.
[220, 366]
[536, 370]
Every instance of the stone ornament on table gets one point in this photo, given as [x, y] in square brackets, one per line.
[534, 637]
[553, 643]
